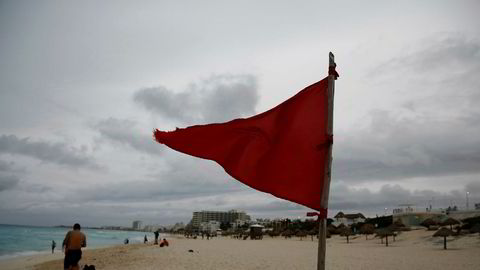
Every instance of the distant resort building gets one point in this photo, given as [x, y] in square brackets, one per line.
[152, 228]
[348, 219]
[210, 227]
[233, 217]
[137, 225]
[411, 217]
[177, 226]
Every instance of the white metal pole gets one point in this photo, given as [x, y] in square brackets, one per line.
[322, 230]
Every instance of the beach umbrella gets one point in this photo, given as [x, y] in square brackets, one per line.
[346, 232]
[443, 232]
[340, 228]
[472, 220]
[451, 222]
[287, 233]
[475, 229]
[395, 228]
[398, 224]
[384, 233]
[428, 222]
[273, 233]
[301, 234]
[331, 229]
[313, 232]
[367, 229]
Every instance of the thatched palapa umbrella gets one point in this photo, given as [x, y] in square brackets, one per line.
[385, 232]
[472, 220]
[287, 233]
[398, 224]
[451, 222]
[313, 232]
[394, 229]
[340, 228]
[301, 234]
[346, 232]
[443, 232]
[428, 222]
[367, 229]
[331, 229]
[475, 229]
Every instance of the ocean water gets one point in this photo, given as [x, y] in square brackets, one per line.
[18, 240]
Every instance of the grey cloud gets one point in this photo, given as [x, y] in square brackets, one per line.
[145, 190]
[435, 132]
[11, 167]
[275, 206]
[345, 198]
[124, 132]
[103, 214]
[58, 153]
[451, 52]
[8, 182]
[217, 99]
[36, 188]
[5, 166]
[181, 177]
[394, 148]
[473, 188]
[441, 75]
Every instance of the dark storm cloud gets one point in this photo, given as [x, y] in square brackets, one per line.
[58, 153]
[434, 133]
[217, 99]
[8, 182]
[125, 132]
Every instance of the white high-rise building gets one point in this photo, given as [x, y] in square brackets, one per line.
[228, 217]
[137, 225]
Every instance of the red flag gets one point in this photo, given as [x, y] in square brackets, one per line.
[281, 151]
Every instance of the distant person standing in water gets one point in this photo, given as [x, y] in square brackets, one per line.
[145, 240]
[156, 237]
[53, 245]
[72, 246]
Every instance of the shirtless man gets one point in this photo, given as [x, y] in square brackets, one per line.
[72, 246]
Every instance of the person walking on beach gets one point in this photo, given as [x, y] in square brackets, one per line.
[72, 246]
[156, 237]
[145, 240]
[53, 245]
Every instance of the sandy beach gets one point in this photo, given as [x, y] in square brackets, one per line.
[411, 250]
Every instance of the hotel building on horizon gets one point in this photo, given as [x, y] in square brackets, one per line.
[231, 216]
[137, 225]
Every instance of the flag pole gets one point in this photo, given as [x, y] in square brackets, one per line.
[322, 228]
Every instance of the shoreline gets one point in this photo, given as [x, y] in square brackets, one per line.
[29, 261]
[411, 250]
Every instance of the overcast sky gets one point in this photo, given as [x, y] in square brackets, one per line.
[84, 83]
